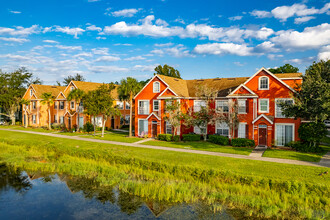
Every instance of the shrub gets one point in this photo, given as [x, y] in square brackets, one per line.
[176, 138]
[311, 133]
[191, 137]
[242, 142]
[88, 127]
[56, 126]
[218, 139]
[168, 137]
[304, 147]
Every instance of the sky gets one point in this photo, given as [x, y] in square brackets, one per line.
[107, 40]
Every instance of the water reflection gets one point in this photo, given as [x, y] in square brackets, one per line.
[48, 196]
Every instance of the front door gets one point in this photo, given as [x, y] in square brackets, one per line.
[25, 124]
[263, 135]
[81, 122]
[154, 128]
[112, 122]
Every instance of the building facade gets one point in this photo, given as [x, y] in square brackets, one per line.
[257, 97]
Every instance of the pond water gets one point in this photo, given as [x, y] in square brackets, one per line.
[32, 195]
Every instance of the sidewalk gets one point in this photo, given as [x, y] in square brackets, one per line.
[325, 162]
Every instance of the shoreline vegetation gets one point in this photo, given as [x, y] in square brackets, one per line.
[259, 189]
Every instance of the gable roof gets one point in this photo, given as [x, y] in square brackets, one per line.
[40, 89]
[90, 86]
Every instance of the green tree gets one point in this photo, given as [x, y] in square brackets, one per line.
[173, 114]
[48, 99]
[312, 99]
[77, 95]
[27, 116]
[91, 105]
[12, 88]
[167, 70]
[128, 88]
[286, 68]
[68, 79]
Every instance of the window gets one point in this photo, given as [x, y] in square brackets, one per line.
[198, 104]
[143, 127]
[156, 105]
[61, 105]
[55, 118]
[120, 105]
[242, 130]
[278, 109]
[34, 119]
[156, 87]
[241, 106]
[72, 88]
[143, 107]
[127, 119]
[263, 105]
[200, 130]
[31, 92]
[55, 105]
[222, 106]
[127, 106]
[222, 129]
[61, 120]
[283, 134]
[263, 83]
[71, 105]
[168, 129]
[34, 105]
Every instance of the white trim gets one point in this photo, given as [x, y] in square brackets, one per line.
[145, 100]
[28, 90]
[152, 113]
[261, 77]
[293, 130]
[262, 116]
[143, 119]
[168, 88]
[69, 85]
[59, 95]
[291, 78]
[267, 71]
[276, 108]
[267, 106]
[245, 87]
[153, 87]
[150, 82]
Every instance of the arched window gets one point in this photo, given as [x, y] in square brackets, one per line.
[263, 83]
[156, 87]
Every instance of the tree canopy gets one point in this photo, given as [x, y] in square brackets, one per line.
[68, 79]
[167, 70]
[286, 68]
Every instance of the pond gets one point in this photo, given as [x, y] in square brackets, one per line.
[33, 195]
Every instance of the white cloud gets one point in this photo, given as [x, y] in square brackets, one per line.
[224, 48]
[309, 38]
[135, 58]
[19, 30]
[50, 41]
[100, 51]
[93, 0]
[83, 54]
[100, 38]
[68, 47]
[107, 59]
[235, 18]
[67, 30]
[179, 20]
[163, 45]
[301, 60]
[176, 51]
[145, 68]
[239, 64]
[261, 14]
[93, 28]
[324, 53]
[119, 44]
[161, 22]
[125, 12]
[274, 56]
[266, 47]
[303, 19]
[107, 69]
[13, 39]
[15, 12]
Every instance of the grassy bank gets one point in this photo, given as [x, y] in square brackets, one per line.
[294, 155]
[258, 188]
[202, 145]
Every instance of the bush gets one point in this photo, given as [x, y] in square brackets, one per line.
[176, 138]
[191, 137]
[242, 142]
[218, 139]
[168, 137]
[88, 127]
[57, 126]
[311, 133]
[304, 147]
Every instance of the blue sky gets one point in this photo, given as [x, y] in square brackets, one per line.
[109, 40]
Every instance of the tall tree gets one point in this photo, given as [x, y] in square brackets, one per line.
[77, 95]
[231, 118]
[286, 68]
[128, 88]
[91, 105]
[173, 114]
[48, 99]
[167, 70]
[76, 77]
[12, 88]
[312, 99]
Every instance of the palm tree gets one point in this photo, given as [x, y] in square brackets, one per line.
[48, 99]
[77, 95]
[128, 88]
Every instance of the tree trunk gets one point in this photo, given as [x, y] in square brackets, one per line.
[130, 114]
[103, 125]
[94, 125]
[12, 117]
[26, 120]
[49, 119]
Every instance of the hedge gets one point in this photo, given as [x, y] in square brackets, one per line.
[218, 139]
[168, 137]
[242, 142]
[191, 137]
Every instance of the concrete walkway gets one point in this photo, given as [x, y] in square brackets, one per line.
[325, 163]
[144, 140]
[258, 151]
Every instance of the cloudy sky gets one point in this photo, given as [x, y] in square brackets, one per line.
[106, 40]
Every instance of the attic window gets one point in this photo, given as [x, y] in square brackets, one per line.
[72, 88]
[156, 87]
[31, 92]
[263, 83]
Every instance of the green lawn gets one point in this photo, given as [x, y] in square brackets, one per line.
[326, 140]
[17, 127]
[201, 145]
[114, 136]
[294, 155]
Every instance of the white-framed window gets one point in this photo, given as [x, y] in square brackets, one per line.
[200, 130]
[71, 88]
[242, 130]
[143, 107]
[31, 92]
[284, 133]
[143, 127]
[222, 128]
[156, 87]
[34, 105]
[264, 105]
[120, 105]
[168, 128]
[198, 104]
[61, 104]
[127, 119]
[34, 121]
[222, 105]
[241, 106]
[263, 83]
[127, 106]
[72, 105]
[55, 118]
[61, 119]
[155, 105]
[278, 109]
